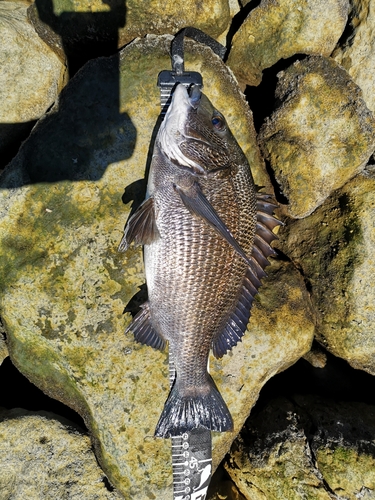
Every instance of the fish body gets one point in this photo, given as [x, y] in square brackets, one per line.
[199, 226]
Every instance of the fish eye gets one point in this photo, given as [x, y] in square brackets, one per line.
[218, 122]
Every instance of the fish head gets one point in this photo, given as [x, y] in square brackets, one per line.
[195, 135]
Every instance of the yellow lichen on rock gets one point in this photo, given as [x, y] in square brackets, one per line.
[320, 135]
[280, 29]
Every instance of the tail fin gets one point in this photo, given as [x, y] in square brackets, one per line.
[183, 413]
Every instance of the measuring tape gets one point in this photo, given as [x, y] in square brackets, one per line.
[192, 451]
[191, 458]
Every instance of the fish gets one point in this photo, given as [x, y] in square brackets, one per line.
[206, 233]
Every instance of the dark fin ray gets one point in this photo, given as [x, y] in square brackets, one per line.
[240, 319]
[253, 278]
[263, 246]
[205, 409]
[141, 226]
[265, 203]
[143, 330]
[266, 234]
[236, 325]
[259, 257]
[257, 269]
[268, 220]
[250, 286]
[197, 204]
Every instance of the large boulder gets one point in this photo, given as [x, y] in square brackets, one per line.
[31, 77]
[65, 288]
[3, 347]
[278, 29]
[320, 135]
[356, 52]
[45, 456]
[99, 27]
[334, 249]
[307, 447]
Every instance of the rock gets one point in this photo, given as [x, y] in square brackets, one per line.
[280, 332]
[65, 287]
[320, 135]
[45, 456]
[222, 487]
[334, 249]
[306, 448]
[357, 52]
[316, 357]
[91, 25]
[280, 29]
[3, 347]
[39, 73]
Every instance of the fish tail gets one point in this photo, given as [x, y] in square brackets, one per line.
[184, 411]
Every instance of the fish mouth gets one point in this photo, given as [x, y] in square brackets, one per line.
[172, 130]
[195, 96]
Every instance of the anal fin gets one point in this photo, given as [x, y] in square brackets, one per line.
[143, 331]
[141, 226]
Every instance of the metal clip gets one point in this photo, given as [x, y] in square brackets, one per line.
[167, 80]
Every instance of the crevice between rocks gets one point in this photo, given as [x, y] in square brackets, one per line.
[237, 21]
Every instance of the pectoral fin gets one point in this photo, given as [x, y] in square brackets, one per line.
[195, 201]
[141, 226]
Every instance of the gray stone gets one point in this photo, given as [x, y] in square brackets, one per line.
[308, 448]
[44, 456]
[73, 26]
[3, 347]
[320, 135]
[357, 52]
[334, 249]
[280, 29]
[31, 75]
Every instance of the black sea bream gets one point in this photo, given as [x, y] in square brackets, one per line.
[206, 236]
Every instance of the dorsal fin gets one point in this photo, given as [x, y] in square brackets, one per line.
[236, 325]
[141, 226]
[143, 331]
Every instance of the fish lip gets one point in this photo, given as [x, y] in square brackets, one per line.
[195, 96]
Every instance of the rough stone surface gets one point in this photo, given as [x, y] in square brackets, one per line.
[3, 347]
[334, 248]
[73, 26]
[44, 456]
[279, 29]
[320, 135]
[357, 52]
[27, 60]
[316, 357]
[308, 448]
[65, 288]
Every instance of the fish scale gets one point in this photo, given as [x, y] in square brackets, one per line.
[201, 273]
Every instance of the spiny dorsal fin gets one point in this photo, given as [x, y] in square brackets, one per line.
[264, 234]
[143, 330]
[141, 226]
[236, 325]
